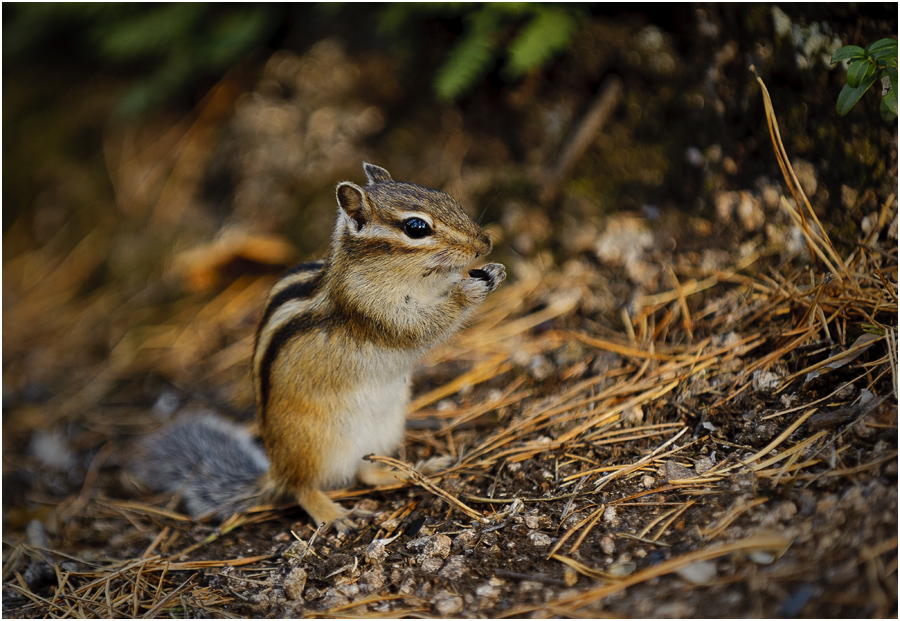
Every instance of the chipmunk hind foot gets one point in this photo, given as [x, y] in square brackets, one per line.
[324, 512]
[376, 476]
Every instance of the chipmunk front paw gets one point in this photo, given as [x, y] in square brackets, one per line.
[482, 281]
[491, 274]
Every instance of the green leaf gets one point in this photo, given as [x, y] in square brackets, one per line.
[883, 44]
[886, 113]
[848, 52]
[850, 95]
[885, 54]
[858, 71]
[890, 100]
[547, 34]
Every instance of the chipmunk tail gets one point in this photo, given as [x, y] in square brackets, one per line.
[213, 463]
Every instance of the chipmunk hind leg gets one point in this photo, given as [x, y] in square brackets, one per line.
[322, 510]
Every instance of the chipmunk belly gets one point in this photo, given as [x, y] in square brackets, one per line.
[371, 417]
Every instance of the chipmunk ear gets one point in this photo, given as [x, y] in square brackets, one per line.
[376, 174]
[352, 200]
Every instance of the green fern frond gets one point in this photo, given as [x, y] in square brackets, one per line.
[470, 58]
[548, 33]
[468, 61]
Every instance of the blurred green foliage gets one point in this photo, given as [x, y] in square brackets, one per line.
[168, 46]
[877, 62]
[528, 34]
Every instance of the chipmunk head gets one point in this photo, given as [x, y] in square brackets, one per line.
[405, 225]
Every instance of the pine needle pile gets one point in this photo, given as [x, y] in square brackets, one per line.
[732, 443]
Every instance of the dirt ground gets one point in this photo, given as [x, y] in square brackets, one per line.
[682, 403]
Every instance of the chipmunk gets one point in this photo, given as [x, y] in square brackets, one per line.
[334, 352]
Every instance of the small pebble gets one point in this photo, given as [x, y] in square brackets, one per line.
[609, 516]
[432, 565]
[294, 583]
[608, 545]
[540, 540]
[376, 552]
[701, 572]
[437, 546]
[448, 605]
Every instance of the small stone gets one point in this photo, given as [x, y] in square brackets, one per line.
[432, 565]
[417, 544]
[335, 597]
[608, 545]
[764, 381]
[647, 481]
[624, 240]
[390, 525]
[408, 583]
[623, 567]
[294, 583]
[786, 510]
[532, 522]
[725, 202]
[609, 515]
[633, 416]
[539, 367]
[806, 175]
[464, 539]
[376, 552]
[770, 196]
[676, 610]
[701, 572]
[448, 605]
[487, 595]
[761, 557]
[350, 591]
[743, 482]
[528, 587]
[863, 429]
[437, 546]
[675, 471]
[703, 465]
[52, 449]
[693, 156]
[572, 521]
[454, 567]
[540, 540]
[373, 579]
[848, 197]
[261, 599]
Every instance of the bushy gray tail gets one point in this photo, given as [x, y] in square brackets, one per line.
[213, 463]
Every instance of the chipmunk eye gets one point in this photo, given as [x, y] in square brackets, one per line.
[416, 228]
